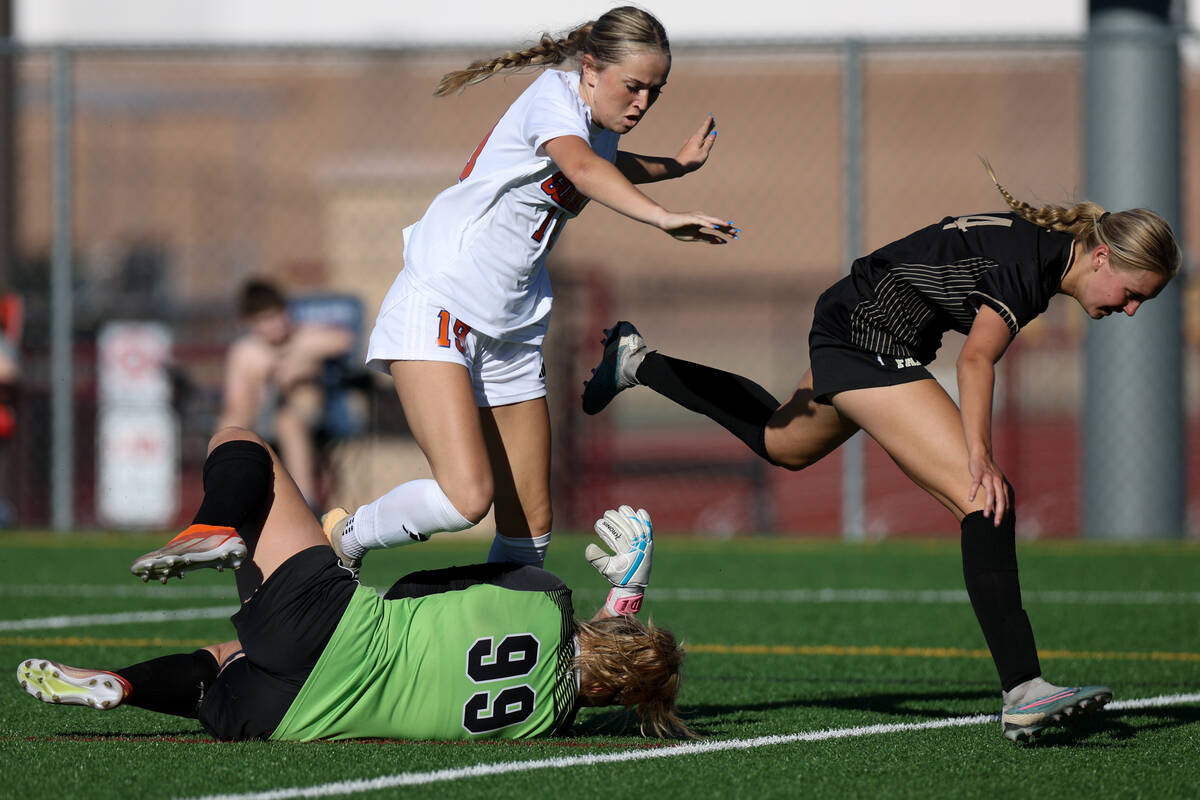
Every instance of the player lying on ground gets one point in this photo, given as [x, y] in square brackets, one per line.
[488, 650]
[873, 332]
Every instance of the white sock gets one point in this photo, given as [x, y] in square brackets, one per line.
[1029, 690]
[521, 549]
[412, 512]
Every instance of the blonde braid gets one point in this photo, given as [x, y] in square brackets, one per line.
[1056, 218]
[1137, 238]
[547, 52]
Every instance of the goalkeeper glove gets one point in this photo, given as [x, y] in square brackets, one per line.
[630, 536]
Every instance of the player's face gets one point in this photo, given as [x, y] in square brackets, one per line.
[272, 325]
[1110, 289]
[620, 94]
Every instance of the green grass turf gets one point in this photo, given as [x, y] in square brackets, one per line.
[727, 694]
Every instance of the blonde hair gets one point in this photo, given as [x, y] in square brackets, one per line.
[608, 39]
[635, 665]
[1137, 238]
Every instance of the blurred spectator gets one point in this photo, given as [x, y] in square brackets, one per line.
[10, 373]
[272, 379]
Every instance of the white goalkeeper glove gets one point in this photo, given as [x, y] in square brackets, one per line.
[631, 537]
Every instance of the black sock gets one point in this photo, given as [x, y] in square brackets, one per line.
[237, 485]
[173, 684]
[738, 404]
[989, 555]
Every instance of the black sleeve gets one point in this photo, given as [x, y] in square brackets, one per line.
[506, 575]
[1014, 291]
[1032, 262]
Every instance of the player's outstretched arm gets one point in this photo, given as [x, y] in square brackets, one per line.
[603, 182]
[691, 157]
[630, 536]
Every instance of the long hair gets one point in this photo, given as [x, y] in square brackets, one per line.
[1137, 238]
[635, 665]
[608, 39]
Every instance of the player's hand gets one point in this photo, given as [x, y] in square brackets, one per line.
[987, 477]
[695, 150]
[697, 227]
[630, 536]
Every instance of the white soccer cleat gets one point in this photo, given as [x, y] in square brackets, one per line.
[52, 682]
[198, 547]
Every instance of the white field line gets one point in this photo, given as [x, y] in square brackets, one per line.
[642, 754]
[712, 595]
[99, 590]
[920, 596]
[125, 618]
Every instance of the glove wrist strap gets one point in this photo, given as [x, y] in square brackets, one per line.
[620, 603]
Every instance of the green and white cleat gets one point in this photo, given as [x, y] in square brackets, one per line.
[52, 682]
[1022, 722]
[624, 349]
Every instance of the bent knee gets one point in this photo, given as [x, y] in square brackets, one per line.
[791, 461]
[233, 433]
[472, 500]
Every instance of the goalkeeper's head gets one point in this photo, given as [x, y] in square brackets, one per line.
[623, 661]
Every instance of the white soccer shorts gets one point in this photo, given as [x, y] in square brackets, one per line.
[410, 327]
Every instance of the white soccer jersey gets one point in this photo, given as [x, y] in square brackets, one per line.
[480, 249]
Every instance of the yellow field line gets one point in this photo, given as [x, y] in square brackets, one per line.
[924, 652]
[722, 649]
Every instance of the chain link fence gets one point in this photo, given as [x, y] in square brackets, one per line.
[193, 169]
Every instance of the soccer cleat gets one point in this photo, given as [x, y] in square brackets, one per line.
[333, 523]
[623, 349]
[52, 682]
[198, 547]
[1021, 722]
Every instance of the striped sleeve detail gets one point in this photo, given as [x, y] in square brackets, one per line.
[1010, 319]
[910, 304]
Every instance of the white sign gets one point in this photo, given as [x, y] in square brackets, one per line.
[132, 360]
[137, 469]
[137, 432]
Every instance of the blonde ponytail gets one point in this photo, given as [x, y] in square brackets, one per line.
[1137, 238]
[614, 35]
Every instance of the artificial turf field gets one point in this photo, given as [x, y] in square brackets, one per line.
[815, 669]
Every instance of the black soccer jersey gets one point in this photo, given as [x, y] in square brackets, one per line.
[900, 299]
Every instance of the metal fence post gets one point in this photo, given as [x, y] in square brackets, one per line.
[62, 368]
[1133, 429]
[853, 464]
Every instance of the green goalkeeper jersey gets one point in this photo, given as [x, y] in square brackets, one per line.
[483, 661]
